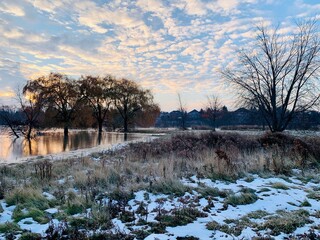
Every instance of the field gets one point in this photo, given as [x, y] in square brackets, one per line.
[212, 185]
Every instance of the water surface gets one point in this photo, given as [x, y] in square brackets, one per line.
[51, 142]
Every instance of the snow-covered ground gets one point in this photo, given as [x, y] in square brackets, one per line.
[275, 198]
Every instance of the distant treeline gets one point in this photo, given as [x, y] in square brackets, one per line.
[309, 120]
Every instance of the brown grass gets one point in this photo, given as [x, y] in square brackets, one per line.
[143, 165]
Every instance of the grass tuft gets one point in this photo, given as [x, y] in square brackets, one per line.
[279, 185]
[27, 197]
[170, 187]
[9, 227]
[286, 222]
[241, 198]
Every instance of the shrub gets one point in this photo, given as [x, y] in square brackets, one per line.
[278, 139]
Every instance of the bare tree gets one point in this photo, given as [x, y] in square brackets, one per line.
[8, 116]
[183, 114]
[98, 92]
[61, 93]
[129, 98]
[213, 109]
[279, 74]
[31, 105]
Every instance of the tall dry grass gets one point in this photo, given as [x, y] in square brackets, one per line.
[156, 163]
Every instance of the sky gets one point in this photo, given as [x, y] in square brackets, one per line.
[168, 46]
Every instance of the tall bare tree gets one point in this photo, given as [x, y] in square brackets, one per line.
[213, 109]
[279, 74]
[60, 92]
[129, 98]
[98, 92]
[31, 105]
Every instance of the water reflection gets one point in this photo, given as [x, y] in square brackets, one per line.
[54, 142]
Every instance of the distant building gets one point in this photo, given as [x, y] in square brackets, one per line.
[241, 116]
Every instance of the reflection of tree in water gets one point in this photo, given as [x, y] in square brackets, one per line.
[9, 147]
[29, 147]
[83, 139]
[99, 138]
[65, 142]
[54, 142]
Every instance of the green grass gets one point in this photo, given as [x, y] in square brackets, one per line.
[286, 222]
[170, 187]
[30, 236]
[305, 203]
[9, 227]
[226, 228]
[314, 195]
[74, 208]
[206, 191]
[241, 198]
[180, 217]
[27, 197]
[257, 214]
[37, 215]
[264, 190]
[279, 185]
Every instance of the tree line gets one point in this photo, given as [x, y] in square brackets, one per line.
[58, 100]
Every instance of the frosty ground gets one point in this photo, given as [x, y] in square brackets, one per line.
[213, 186]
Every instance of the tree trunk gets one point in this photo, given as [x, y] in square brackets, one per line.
[100, 123]
[99, 137]
[66, 130]
[28, 136]
[125, 124]
[30, 146]
[65, 141]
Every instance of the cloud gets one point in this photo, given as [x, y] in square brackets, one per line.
[13, 33]
[48, 5]
[12, 8]
[194, 7]
[167, 46]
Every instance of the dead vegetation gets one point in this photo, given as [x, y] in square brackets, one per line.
[80, 183]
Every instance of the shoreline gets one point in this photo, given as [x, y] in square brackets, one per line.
[81, 152]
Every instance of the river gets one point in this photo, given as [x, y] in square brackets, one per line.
[52, 142]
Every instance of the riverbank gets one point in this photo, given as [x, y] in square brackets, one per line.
[185, 186]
